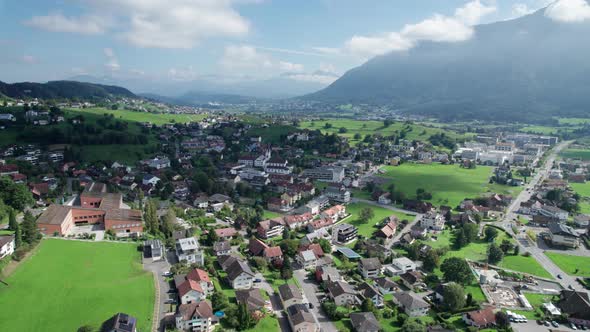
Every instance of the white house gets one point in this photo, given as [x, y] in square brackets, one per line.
[6, 245]
[433, 220]
[195, 316]
[150, 179]
[188, 250]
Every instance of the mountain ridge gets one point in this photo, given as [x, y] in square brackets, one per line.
[62, 90]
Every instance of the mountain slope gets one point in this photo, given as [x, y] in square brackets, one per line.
[62, 89]
[531, 65]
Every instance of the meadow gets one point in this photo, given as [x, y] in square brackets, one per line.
[368, 229]
[449, 184]
[570, 264]
[67, 284]
[154, 118]
[582, 154]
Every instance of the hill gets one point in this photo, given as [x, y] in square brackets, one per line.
[63, 90]
[509, 70]
[197, 98]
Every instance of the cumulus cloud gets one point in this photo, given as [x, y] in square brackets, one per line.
[248, 59]
[112, 63]
[521, 9]
[438, 28]
[316, 77]
[57, 22]
[177, 24]
[569, 11]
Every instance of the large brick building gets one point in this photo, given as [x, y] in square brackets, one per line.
[97, 206]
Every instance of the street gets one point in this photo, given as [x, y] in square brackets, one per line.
[162, 287]
[310, 288]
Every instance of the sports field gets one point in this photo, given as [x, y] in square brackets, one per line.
[67, 284]
[449, 184]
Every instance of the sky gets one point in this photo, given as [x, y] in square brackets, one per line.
[233, 40]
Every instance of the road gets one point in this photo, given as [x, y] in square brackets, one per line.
[310, 288]
[532, 326]
[162, 288]
[275, 302]
[511, 215]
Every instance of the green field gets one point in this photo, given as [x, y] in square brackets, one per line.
[449, 184]
[124, 153]
[270, 215]
[583, 189]
[570, 264]
[576, 154]
[573, 121]
[268, 323]
[367, 229]
[526, 265]
[67, 284]
[415, 131]
[155, 118]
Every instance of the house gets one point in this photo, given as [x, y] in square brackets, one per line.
[222, 248]
[158, 163]
[225, 233]
[252, 298]
[480, 319]
[388, 231]
[298, 221]
[120, 323]
[273, 255]
[271, 228]
[364, 322]
[433, 220]
[333, 174]
[401, 265]
[412, 279]
[338, 194]
[153, 249]
[277, 204]
[195, 316]
[307, 259]
[582, 221]
[554, 212]
[386, 285]
[149, 179]
[326, 274]
[369, 267]
[199, 276]
[411, 304]
[239, 274]
[190, 291]
[576, 305]
[201, 202]
[290, 295]
[342, 293]
[300, 319]
[7, 245]
[8, 169]
[256, 247]
[344, 233]
[188, 250]
[385, 198]
[562, 235]
[334, 213]
[367, 291]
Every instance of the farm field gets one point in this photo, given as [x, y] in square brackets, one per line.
[67, 284]
[155, 118]
[414, 132]
[449, 184]
[570, 264]
[367, 229]
[576, 154]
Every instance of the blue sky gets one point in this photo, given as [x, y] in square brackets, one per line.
[232, 40]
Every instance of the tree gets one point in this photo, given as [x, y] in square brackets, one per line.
[12, 224]
[431, 261]
[140, 198]
[219, 301]
[357, 136]
[368, 305]
[17, 236]
[366, 214]
[495, 254]
[490, 233]
[459, 238]
[506, 246]
[502, 320]
[286, 270]
[151, 217]
[326, 246]
[516, 250]
[457, 270]
[411, 325]
[342, 130]
[471, 231]
[85, 328]
[15, 195]
[454, 296]
[168, 221]
[244, 317]
[327, 126]
[387, 123]
[30, 233]
[212, 237]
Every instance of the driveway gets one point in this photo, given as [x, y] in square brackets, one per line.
[162, 287]
[275, 302]
[310, 289]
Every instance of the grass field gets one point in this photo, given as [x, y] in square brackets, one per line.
[367, 229]
[415, 132]
[267, 323]
[67, 284]
[269, 215]
[449, 184]
[583, 189]
[124, 153]
[155, 118]
[526, 265]
[570, 264]
[576, 154]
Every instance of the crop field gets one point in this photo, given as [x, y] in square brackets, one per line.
[67, 284]
[155, 118]
[449, 184]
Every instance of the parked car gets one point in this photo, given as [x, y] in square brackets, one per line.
[573, 326]
[257, 280]
[547, 323]
[559, 276]
[167, 274]
[554, 323]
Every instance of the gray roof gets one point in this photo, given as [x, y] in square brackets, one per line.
[562, 229]
[370, 263]
[252, 297]
[364, 321]
[238, 267]
[289, 292]
[385, 283]
[368, 291]
[410, 301]
[340, 287]
[299, 313]
[221, 246]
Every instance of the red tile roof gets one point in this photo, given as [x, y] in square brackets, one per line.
[189, 285]
[198, 275]
[272, 252]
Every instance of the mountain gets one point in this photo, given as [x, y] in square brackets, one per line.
[284, 86]
[530, 67]
[196, 98]
[62, 89]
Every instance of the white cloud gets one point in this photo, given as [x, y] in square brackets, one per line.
[290, 67]
[473, 12]
[438, 28]
[246, 58]
[57, 22]
[177, 24]
[317, 77]
[327, 50]
[569, 11]
[112, 63]
[521, 9]
[182, 74]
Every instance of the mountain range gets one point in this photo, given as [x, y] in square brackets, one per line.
[62, 89]
[509, 70]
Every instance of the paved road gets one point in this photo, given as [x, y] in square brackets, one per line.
[532, 326]
[162, 295]
[310, 288]
[525, 245]
[275, 302]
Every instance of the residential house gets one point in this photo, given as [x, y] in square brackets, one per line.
[402, 265]
[369, 267]
[326, 274]
[278, 204]
[562, 235]
[300, 319]
[252, 298]
[367, 291]
[344, 233]
[271, 228]
[7, 245]
[290, 295]
[554, 212]
[334, 213]
[153, 249]
[385, 198]
[342, 293]
[298, 221]
[222, 248]
[256, 247]
[188, 250]
[333, 174]
[225, 233]
[158, 163]
[388, 231]
[273, 255]
[576, 305]
[386, 285]
[149, 179]
[239, 274]
[190, 291]
[364, 322]
[412, 279]
[481, 319]
[195, 317]
[307, 259]
[582, 221]
[338, 194]
[411, 304]
[120, 322]
[433, 221]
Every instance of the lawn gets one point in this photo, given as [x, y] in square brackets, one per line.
[270, 215]
[367, 229]
[576, 154]
[526, 265]
[268, 323]
[155, 118]
[583, 189]
[449, 184]
[570, 264]
[67, 284]
[124, 153]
